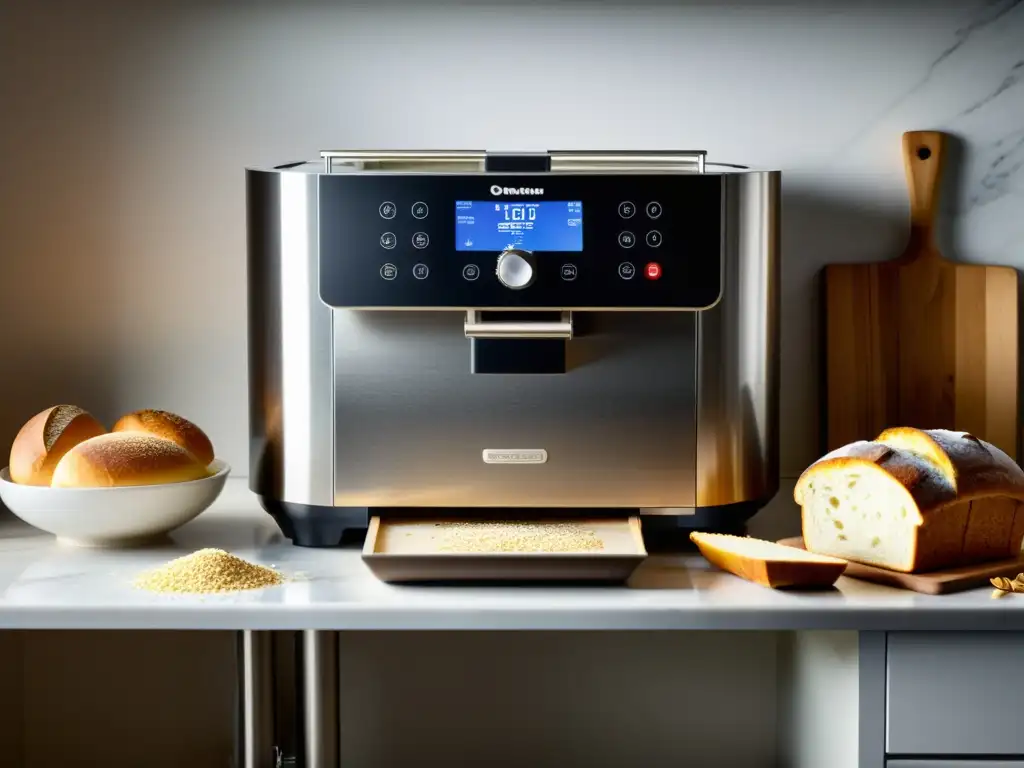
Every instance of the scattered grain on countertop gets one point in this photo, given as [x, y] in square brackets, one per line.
[517, 536]
[207, 571]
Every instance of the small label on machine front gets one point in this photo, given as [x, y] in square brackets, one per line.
[515, 456]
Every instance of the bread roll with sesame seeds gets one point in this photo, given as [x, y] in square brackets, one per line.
[169, 426]
[45, 438]
[126, 458]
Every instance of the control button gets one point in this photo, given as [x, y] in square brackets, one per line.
[420, 240]
[627, 239]
[389, 271]
[420, 210]
[471, 272]
[626, 209]
[388, 240]
[420, 271]
[654, 209]
[515, 269]
[568, 272]
[652, 271]
[388, 210]
[626, 270]
[654, 238]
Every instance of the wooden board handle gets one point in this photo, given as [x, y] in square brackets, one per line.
[923, 155]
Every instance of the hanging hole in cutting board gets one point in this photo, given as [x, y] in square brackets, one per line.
[923, 153]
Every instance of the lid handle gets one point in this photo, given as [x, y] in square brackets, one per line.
[476, 328]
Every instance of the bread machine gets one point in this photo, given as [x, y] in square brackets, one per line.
[536, 333]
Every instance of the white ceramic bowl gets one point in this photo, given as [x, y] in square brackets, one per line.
[112, 516]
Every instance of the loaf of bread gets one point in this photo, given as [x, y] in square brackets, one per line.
[767, 563]
[126, 458]
[169, 426]
[914, 501]
[45, 438]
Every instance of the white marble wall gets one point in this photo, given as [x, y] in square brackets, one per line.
[125, 127]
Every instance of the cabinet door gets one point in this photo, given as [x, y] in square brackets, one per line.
[955, 693]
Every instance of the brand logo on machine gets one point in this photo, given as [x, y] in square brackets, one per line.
[499, 190]
[515, 456]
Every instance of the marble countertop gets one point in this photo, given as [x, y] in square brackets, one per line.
[46, 585]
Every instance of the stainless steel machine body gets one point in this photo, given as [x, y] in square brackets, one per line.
[617, 350]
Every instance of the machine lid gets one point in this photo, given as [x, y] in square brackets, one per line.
[557, 161]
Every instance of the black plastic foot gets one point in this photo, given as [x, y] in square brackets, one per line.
[671, 533]
[309, 525]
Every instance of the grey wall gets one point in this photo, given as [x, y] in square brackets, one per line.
[125, 126]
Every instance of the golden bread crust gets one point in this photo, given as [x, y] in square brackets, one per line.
[766, 563]
[126, 458]
[45, 438]
[169, 426]
[968, 494]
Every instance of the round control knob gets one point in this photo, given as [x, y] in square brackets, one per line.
[515, 269]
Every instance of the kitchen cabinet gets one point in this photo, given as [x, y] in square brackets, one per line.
[941, 699]
[954, 693]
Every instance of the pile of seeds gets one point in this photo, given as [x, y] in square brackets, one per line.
[515, 536]
[207, 571]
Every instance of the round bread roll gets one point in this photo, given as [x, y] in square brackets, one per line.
[44, 440]
[126, 458]
[169, 426]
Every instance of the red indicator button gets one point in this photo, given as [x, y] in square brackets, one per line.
[653, 270]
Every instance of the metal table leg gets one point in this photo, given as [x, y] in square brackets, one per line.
[254, 744]
[320, 699]
[287, 700]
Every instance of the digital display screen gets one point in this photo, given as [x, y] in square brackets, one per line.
[486, 225]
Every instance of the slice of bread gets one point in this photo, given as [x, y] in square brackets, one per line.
[767, 563]
[914, 501]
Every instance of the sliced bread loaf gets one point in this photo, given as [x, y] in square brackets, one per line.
[914, 500]
[767, 563]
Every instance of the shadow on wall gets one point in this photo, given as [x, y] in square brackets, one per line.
[819, 227]
[62, 287]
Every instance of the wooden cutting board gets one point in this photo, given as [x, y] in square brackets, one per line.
[920, 341]
[934, 583]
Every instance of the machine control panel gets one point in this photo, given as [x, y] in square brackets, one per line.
[532, 240]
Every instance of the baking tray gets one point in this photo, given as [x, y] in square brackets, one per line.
[408, 549]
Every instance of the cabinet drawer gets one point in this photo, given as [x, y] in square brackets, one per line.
[954, 693]
[937, 763]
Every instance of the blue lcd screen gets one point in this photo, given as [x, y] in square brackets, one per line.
[482, 225]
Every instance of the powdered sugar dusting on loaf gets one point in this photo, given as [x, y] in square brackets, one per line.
[851, 449]
[121, 450]
[153, 417]
[169, 426]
